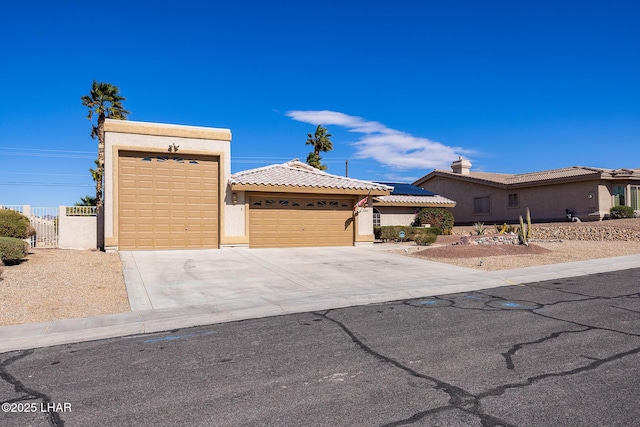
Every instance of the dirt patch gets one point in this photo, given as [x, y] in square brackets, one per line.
[470, 251]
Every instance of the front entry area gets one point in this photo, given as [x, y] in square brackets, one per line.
[167, 201]
[297, 220]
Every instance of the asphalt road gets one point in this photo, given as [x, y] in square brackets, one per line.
[563, 352]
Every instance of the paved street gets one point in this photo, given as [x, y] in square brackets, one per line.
[561, 352]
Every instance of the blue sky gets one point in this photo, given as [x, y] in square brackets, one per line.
[404, 87]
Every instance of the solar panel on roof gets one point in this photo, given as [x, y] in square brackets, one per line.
[404, 189]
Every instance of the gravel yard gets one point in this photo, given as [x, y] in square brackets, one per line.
[57, 284]
[565, 242]
[504, 257]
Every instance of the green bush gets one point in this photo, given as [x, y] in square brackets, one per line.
[392, 232]
[437, 217]
[425, 239]
[619, 212]
[12, 250]
[14, 224]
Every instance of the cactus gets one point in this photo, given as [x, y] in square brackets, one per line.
[524, 232]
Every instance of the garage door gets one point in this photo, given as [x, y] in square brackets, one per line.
[300, 221]
[167, 201]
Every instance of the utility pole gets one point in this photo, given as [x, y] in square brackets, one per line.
[346, 165]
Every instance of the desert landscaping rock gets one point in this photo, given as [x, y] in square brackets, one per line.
[53, 284]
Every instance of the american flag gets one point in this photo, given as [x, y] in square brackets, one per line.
[361, 203]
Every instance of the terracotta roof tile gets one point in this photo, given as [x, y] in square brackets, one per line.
[435, 199]
[297, 174]
[504, 178]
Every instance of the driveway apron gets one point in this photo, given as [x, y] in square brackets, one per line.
[172, 279]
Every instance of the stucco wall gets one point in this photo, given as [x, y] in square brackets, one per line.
[236, 232]
[546, 203]
[396, 215]
[364, 225]
[76, 232]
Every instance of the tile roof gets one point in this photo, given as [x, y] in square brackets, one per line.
[531, 177]
[415, 200]
[298, 174]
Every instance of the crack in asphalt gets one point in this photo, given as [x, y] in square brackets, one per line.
[531, 380]
[508, 355]
[458, 397]
[626, 309]
[465, 401]
[53, 417]
[488, 298]
[587, 297]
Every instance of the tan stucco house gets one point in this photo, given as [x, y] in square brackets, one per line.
[170, 187]
[401, 205]
[586, 192]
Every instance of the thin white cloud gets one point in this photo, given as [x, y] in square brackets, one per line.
[393, 148]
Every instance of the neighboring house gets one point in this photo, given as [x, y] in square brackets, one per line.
[587, 193]
[170, 187]
[400, 207]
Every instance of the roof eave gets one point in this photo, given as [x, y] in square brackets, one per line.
[304, 189]
[415, 204]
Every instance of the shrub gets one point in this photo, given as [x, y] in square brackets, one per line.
[437, 217]
[479, 228]
[619, 212]
[12, 250]
[13, 224]
[392, 232]
[425, 239]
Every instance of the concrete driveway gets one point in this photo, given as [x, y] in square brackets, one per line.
[304, 277]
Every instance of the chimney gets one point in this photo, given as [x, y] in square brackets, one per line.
[461, 166]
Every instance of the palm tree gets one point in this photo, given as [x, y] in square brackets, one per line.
[321, 143]
[86, 201]
[105, 101]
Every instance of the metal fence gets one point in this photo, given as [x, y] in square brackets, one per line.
[44, 220]
[80, 211]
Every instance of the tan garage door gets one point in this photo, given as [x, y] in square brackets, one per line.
[291, 221]
[167, 201]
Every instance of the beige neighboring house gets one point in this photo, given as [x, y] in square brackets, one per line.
[400, 207]
[585, 192]
[170, 187]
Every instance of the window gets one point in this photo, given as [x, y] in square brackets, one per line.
[376, 217]
[513, 200]
[635, 197]
[482, 205]
[618, 196]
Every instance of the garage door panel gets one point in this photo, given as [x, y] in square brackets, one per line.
[300, 221]
[166, 202]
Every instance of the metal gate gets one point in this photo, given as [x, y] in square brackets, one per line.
[45, 222]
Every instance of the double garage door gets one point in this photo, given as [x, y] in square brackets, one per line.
[167, 201]
[300, 220]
